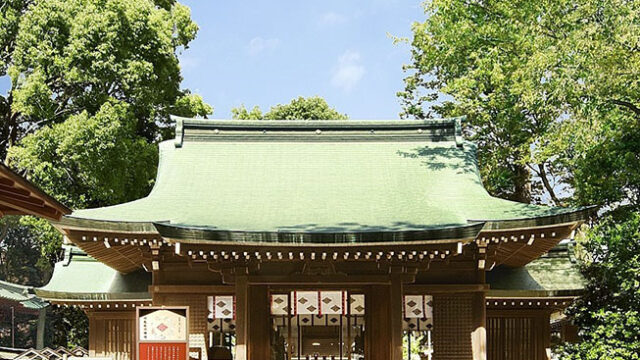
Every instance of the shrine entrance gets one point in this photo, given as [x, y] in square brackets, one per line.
[317, 325]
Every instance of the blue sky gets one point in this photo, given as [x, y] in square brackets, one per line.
[268, 52]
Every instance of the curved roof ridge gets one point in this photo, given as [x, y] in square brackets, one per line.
[425, 129]
[313, 124]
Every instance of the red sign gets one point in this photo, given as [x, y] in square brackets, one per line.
[162, 333]
[163, 351]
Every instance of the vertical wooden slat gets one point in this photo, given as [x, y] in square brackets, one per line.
[517, 335]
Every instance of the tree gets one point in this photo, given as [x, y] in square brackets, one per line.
[609, 312]
[301, 108]
[92, 85]
[551, 93]
[65, 57]
[541, 83]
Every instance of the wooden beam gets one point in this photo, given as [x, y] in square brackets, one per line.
[193, 289]
[444, 288]
[14, 190]
[6, 181]
[20, 185]
[336, 280]
[29, 207]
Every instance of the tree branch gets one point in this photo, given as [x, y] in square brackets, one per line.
[627, 105]
[542, 172]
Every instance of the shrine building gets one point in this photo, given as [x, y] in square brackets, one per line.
[318, 240]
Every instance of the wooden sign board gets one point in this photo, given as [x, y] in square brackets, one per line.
[162, 333]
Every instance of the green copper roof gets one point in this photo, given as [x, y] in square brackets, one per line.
[21, 294]
[80, 277]
[556, 273]
[315, 177]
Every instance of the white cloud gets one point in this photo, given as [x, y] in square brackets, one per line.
[258, 45]
[348, 72]
[332, 18]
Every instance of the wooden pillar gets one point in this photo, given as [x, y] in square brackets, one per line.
[546, 333]
[395, 314]
[258, 317]
[42, 319]
[479, 334]
[93, 332]
[383, 338]
[242, 323]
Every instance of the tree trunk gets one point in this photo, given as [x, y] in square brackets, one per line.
[522, 185]
[545, 181]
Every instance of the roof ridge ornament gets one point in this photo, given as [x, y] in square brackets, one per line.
[179, 129]
[458, 122]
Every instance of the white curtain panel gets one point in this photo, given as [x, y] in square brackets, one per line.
[414, 306]
[223, 307]
[356, 304]
[332, 302]
[307, 302]
[279, 304]
[428, 306]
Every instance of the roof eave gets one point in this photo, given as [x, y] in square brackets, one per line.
[515, 293]
[59, 208]
[188, 234]
[77, 296]
[77, 223]
[577, 216]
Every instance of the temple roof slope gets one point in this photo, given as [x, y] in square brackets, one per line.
[556, 273]
[79, 277]
[317, 177]
[21, 294]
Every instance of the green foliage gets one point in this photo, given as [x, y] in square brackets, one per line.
[10, 13]
[311, 108]
[20, 262]
[67, 57]
[19, 253]
[545, 84]
[92, 85]
[67, 326]
[550, 90]
[89, 161]
[609, 312]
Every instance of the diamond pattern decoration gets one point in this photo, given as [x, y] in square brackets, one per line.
[307, 302]
[305, 320]
[162, 327]
[332, 319]
[418, 312]
[279, 304]
[223, 306]
[414, 306]
[317, 303]
[333, 302]
[356, 304]
[221, 325]
[428, 306]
